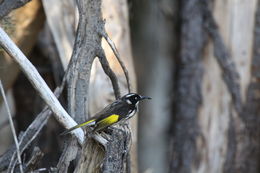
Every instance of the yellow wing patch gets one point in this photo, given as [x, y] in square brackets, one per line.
[110, 119]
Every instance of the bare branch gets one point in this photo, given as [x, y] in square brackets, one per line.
[35, 127]
[8, 5]
[116, 53]
[12, 127]
[82, 57]
[109, 72]
[39, 84]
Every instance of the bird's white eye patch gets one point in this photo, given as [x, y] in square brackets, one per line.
[128, 101]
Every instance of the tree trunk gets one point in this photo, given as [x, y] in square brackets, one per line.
[214, 85]
[216, 111]
[153, 35]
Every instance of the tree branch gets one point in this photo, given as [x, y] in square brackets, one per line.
[39, 84]
[83, 55]
[33, 130]
[109, 72]
[116, 53]
[86, 48]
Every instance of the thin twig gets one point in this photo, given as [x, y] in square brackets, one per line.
[109, 72]
[116, 53]
[12, 127]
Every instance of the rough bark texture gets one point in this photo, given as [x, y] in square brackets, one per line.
[119, 144]
[113, 157]
[86, 48]
[85, 51]
[91, 160]
[247, 158]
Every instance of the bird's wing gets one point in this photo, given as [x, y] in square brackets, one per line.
[107, 111]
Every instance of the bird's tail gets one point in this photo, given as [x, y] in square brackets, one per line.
[87, 123]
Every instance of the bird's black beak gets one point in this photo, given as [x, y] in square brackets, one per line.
[145, 97]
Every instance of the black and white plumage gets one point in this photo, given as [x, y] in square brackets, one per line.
[123, 108]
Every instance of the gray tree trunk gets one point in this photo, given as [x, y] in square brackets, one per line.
[213, 98]
[216, 111]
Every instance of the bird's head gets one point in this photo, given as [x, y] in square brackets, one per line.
[133, 98]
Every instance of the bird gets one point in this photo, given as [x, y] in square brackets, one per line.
[121, 109]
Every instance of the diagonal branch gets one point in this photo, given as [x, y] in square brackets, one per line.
[33, 130]
[12, 127]
[116, 53]
[39, 84]
[109, 72]
[229, 71]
